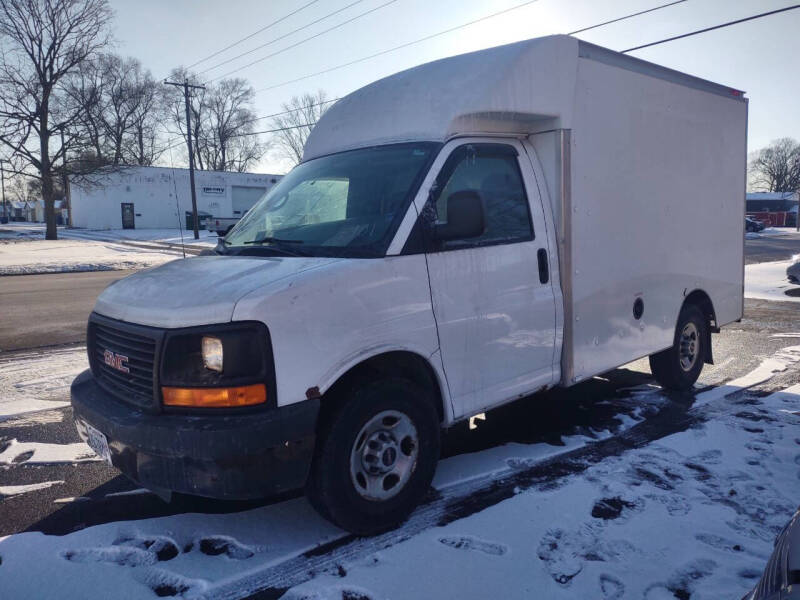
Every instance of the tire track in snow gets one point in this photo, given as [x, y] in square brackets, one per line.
[464, 499]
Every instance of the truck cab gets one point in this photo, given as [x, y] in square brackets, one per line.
[412, 271]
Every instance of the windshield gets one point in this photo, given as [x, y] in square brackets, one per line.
[346, 204]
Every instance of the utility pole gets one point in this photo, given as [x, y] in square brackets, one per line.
[186, 85]
[3, 190]
[67, 193]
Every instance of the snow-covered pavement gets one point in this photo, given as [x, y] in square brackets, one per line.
[24, 252]
[67, 255]
[671, 497]
[768, 281]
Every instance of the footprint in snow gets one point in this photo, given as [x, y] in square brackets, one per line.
[215, 546]
[127, 552]
[683, 582]
[168, 585]
[611, 508]
[471, 543]
[611, 587]
[564, 553]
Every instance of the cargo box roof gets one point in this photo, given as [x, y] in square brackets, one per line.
[517, 88]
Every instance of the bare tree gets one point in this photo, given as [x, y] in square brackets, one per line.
[41, 42]
[301, 114]
[776, 168]
[230, 143]
[145, 145]
[223, 123]
[119, 106]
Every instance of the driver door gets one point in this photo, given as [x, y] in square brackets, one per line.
[494, 305]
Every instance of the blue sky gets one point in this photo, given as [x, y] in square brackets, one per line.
[758, 57]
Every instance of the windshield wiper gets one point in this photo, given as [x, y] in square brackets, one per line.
[273, 240]
[275, 245]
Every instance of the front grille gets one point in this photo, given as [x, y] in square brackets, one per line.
[139, 351]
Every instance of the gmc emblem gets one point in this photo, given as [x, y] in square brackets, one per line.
[117, 361]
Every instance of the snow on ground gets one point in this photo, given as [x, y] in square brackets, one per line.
[207, 239]
[32, 453]
[768, 281]
[35, 381]
[777, 363]
[16, 490]
[25, 231]
[773, 232]
[67, 255]
[693, 515]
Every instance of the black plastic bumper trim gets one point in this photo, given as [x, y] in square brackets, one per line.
[242, 456]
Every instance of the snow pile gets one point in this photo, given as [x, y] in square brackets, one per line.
[777, 363]
[207, 239]
[33, 381]
[65, 255]
[32, 453]
[768, 281]
[15, 490]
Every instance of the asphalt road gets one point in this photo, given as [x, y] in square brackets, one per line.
[768, 249]
[46, 310]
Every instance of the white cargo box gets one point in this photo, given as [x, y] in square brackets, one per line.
[644, 168]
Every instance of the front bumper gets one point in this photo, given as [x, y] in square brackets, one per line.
[226, 456]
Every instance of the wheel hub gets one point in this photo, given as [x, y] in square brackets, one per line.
[380, 453]
[688, 346]
[384, 455]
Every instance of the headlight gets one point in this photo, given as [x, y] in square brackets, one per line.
[218, 366]
[212, 353]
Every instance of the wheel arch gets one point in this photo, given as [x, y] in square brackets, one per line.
[397, 363]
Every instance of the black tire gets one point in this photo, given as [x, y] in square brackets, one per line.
[667, 366]
[331, 487]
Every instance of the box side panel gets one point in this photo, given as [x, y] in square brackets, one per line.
[658, 177]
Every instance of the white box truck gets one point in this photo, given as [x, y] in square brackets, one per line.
[458, 236]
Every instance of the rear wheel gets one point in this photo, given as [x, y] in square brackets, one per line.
[376, 456]
[678, 367]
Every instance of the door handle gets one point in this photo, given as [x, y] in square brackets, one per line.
[544, 269]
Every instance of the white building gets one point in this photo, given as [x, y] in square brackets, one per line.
[156, 197]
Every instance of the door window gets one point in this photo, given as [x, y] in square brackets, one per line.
[492, 171]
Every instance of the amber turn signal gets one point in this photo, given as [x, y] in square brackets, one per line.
[245, 395]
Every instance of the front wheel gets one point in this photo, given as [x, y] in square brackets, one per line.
[376, 456]
[678, 367]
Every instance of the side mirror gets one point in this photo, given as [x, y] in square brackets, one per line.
[466, 217]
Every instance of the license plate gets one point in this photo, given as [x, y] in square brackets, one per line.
[97, 441]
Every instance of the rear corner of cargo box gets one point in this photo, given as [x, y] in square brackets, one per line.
[654, 213]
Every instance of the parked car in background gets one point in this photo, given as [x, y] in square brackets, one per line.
[782, 573]
[222, 225]
[752, 225]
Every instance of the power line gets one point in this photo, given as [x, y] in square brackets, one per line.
[303, 41]
[761, 15]
[382, 52]
[247, 37]
[277, 39]
[720, 26]
[291, 110]
[617, 20]
[401, 46]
